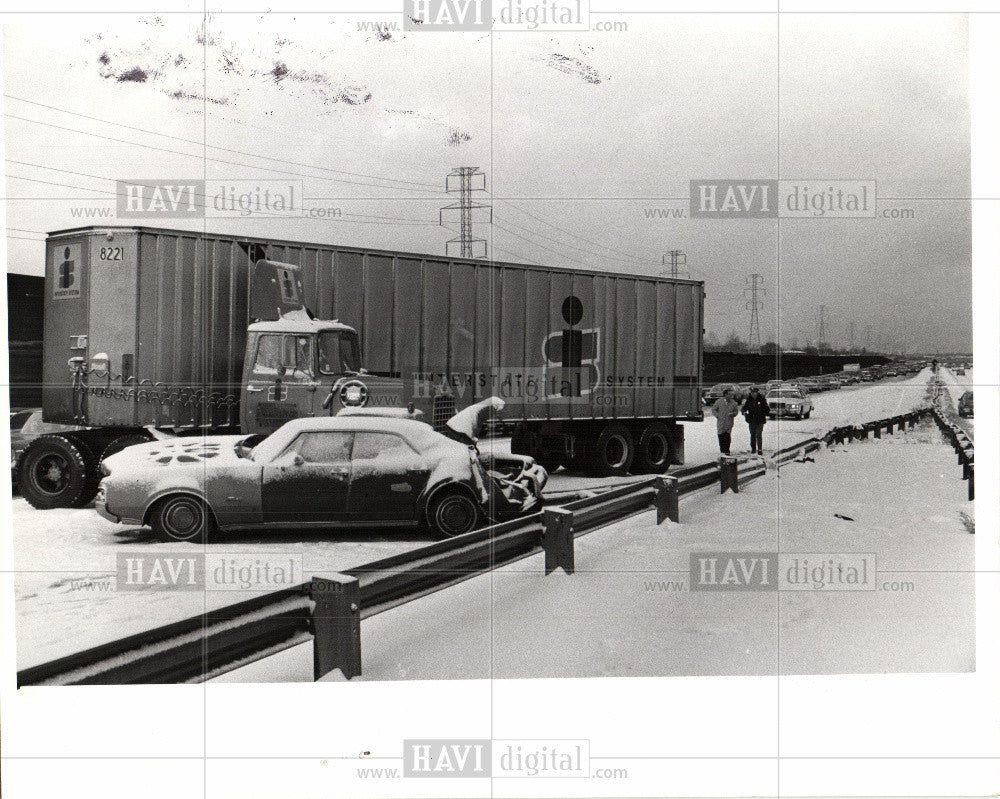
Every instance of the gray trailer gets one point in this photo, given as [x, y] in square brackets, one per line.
[152, 332]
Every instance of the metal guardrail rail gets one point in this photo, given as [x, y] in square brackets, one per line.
[329, 609]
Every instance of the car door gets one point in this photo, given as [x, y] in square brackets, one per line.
[387, 477]
[309, 482]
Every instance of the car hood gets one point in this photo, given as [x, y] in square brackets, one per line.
[210, 450]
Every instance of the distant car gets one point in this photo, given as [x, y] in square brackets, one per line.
[715, 392]
[891, 373]
[789, 402]
[960, 372]
[965, 405]
[341, 471]
[25, 426]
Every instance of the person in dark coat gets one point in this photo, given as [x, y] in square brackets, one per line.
[755, 411]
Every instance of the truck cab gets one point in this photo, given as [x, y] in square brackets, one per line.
[299, 367]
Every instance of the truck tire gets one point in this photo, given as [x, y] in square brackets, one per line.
[182, 517]
[652, 455]
[57, 472]
[116, 445]
[612, 453]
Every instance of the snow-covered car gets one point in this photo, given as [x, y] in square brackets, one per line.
[342, 471]
[965, 405]
[789, 402]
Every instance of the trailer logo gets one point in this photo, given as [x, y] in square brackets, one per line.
[572, 355]
[67, 283]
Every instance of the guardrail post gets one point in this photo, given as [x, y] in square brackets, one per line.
[728, 475]
[557, 539]
[667, 499]
[878, 429]
[336, 624]
[912, 420]
[972, 482]
[966, 468]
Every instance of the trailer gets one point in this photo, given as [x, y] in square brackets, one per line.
[152, 332]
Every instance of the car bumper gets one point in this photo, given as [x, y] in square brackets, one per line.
[778, 412]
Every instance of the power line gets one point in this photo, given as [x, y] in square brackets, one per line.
[219, 147]
[629, 258]
[193, 155]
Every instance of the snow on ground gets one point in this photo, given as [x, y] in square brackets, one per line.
[956, 386]
[66, 559]
[628, 610]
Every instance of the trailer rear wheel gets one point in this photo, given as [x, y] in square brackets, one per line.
[57, 472]
[118, 444]
[612, 453]
[652, 455]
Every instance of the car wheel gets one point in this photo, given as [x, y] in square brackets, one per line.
[453, 513]
[653, 452]
[182, 518]
[56, 472]
[613, 452]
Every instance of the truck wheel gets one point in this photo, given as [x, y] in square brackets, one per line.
[57, 472]
[120, 443]
[613, 452]
[182, 517]
[652, 455]
[453, 513]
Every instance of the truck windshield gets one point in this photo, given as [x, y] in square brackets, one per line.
[338, 352]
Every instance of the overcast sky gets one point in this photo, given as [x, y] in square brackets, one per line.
[583, 138]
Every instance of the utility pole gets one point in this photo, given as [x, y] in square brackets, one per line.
[675, 258]
[850, 337]
[463, 180]
[755, 288]
[868, 337]
[822, 327]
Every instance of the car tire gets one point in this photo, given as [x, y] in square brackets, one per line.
[57, 472]
[612, 453]
[116, 445]
[453, 512]
[182, 517]
[652, 454]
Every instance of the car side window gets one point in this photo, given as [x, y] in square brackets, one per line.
[323, 447]
[369, 446]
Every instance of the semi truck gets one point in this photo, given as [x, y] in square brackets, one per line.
[151, 332]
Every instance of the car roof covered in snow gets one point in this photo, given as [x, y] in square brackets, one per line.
[420, 434]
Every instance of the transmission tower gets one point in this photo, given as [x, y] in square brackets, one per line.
[754, 290]
[868, 337]
[464, 180]
[675, 259]
[850, 336]
[822, 326]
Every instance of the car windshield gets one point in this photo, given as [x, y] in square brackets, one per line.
[338, 352]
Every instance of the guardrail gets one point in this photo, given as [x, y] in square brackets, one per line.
[329, 609]
[959, 439]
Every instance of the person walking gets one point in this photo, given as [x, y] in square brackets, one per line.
[725, 410]
[755, 411]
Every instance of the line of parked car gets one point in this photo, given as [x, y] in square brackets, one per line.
[790, 398]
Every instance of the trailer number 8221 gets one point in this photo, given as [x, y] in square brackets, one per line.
[112, 253]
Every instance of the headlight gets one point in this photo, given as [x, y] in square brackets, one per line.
[102, 495]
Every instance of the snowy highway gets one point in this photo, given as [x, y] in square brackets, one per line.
[66, 559]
